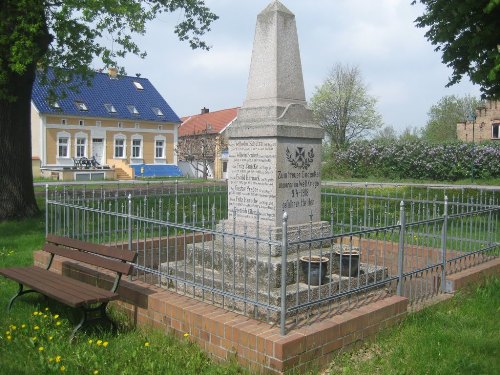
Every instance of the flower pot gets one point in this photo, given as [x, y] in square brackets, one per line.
[346, 262]
[314, 268]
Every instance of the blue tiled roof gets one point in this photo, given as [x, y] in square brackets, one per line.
[119, 92]
[156, 170]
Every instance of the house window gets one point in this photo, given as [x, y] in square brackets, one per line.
[138, 86]
[495, 131]
[160, 127]
[81, 106]
[63, 146]
[110, 108]
[81, 122]
[63, 121]
[98, 124]
[80, 147]
[136, 148]
[136, 125]
[54, 104]
[120, 124]
[119, 147]
[132, 109]
[157, 111]
[160, 149]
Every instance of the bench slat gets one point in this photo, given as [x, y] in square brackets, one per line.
[95, 260]
[63, 289]
[108, 251]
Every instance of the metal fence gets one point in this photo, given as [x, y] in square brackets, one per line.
[373, 242]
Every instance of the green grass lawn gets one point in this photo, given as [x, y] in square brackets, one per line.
[459, 336]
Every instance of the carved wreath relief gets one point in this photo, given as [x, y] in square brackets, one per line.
[300, 160]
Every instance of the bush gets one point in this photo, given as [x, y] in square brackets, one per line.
[415, 159]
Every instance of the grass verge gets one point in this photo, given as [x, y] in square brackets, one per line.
[458, 336]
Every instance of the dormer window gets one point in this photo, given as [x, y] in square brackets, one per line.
[138, 86]
[132, 109]
[157, 111]
[110, 108]
[81, 106]
[54, 104]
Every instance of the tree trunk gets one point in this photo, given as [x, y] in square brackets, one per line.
[17, 197]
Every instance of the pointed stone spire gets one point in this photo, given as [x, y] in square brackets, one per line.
[275, 77]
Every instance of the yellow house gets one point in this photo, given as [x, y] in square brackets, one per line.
[484, 126]
[118, 127]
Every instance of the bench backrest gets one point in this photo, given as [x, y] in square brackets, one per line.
[108, 257]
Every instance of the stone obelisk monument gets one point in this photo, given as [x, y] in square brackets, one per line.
[274, 145]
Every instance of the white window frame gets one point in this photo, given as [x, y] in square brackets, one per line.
[123, 139]
[133, 109]
[98, 124]
[163, 156]
[140, 138]
[64, 121]
[493, 126]
[81, 122]
[67, 137]
[80, 136]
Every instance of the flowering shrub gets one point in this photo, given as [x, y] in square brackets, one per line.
[415, 159]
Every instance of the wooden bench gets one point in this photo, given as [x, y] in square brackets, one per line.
[91, 300]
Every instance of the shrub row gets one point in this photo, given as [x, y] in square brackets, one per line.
[415, 159]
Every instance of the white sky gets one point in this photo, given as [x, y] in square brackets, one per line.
[398, 64]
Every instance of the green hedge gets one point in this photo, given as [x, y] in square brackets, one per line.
[414, 159]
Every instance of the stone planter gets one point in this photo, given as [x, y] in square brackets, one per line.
[346, 262]
[314, 268]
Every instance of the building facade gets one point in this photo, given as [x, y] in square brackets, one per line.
[202, 147]
[485, 126]
[118, 127]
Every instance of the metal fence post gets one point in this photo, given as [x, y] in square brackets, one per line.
[129, 226]
[402, 223]
[284, 244]
[46, 210]
[443, 245]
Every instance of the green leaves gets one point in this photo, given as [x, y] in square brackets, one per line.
[466, 32]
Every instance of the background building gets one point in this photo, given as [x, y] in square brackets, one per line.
[486, 125]
[202, 146]
[119, 126]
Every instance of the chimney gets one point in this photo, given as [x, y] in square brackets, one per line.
[204, 110]
[112, 72]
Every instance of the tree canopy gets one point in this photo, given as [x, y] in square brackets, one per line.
[343, 107]
[467, 33]
[66, 36]
[445, 115]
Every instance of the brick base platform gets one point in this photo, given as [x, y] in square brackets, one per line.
[256, 345]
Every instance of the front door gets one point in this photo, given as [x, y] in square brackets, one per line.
[98, 149]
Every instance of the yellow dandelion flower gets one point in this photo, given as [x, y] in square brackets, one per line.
[36, 328]
[13, 327]
[58, 323]
[50, 338]
[105, 343]
[7, 332]
[186, 334]
[35, 313]
[96, 372]
[9, 338]
[45, 316]
[33, 338]
[40, 349]
[56, 316]
[23, 325]
[58, 358]
[51, 359]
[62, 368]
[91, 341]
[46, 309]
[99, 342]
[146, 344]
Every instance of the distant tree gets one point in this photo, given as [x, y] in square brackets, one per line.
[410, 134]
[467, 33]
[200, 150]
[386, 134]
[66, 35]
[343, 107]
[444, 116]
